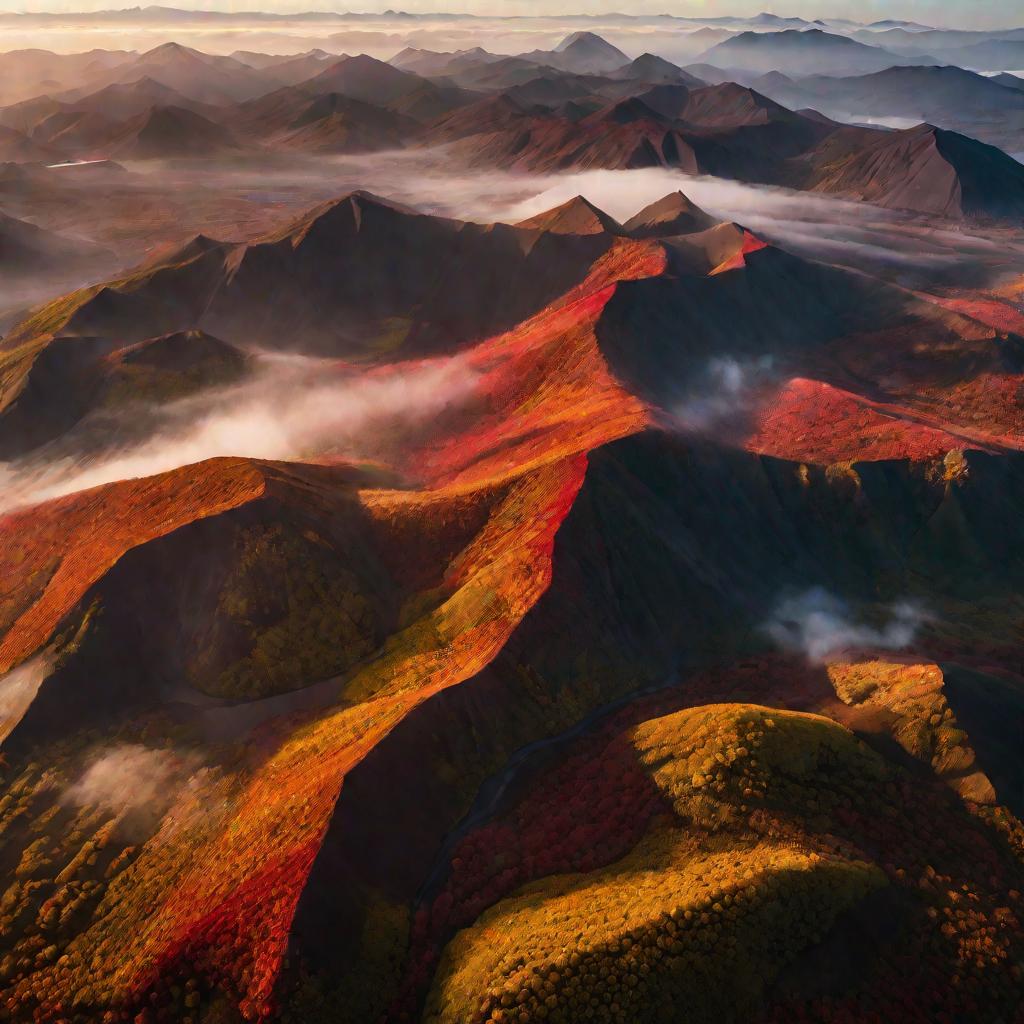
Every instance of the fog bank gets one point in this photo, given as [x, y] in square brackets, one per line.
[294, 407]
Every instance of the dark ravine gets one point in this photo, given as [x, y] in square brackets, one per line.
[524, 762]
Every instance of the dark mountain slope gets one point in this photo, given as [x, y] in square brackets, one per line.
[650, 68]
[581, 53]
[981, 107]
[715, 527]
[731, 106]
[166, 132]
[125, 100]
[292, 119]
[364, 276]
[25, 248]
[801, 52]
[16, 147]
[1014, 82]
[72, 377]
[364, 78]
[924, 169]
[576, 217]
[674, 214]
[198, 76]
[358, 276]
[735, 132]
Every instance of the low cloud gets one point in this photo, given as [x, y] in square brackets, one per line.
[623, 193]
[723, 395]
[302, 408]
[819, 624]
[294, 407]
[132, 779]
[854, 234]
[19, 687]
[814, 225]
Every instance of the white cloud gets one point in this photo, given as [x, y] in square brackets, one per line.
[722, 395]
[18, 689]
[295, 407]
[819, 624]
[131, 777]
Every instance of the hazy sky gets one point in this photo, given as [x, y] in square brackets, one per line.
[946, 13]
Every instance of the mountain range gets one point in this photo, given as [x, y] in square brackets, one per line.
[734, 132]
[582, 105]
[972, 104]
[574, 574]
[802, 51]
[433, 597]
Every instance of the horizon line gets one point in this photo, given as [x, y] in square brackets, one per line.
[542, 16]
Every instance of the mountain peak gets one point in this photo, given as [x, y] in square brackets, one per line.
[626, 111]
[776, 78]
[790, 38]
[363, 199]
[167, 52]
[362, 60]
[169, 130]
[936, 171]
[358, 199]
[590, 41]
[169, 47]
[578, 216]
[343, 214]
[588, 52]
[652, 68]
[673, 214]
[652, 60]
